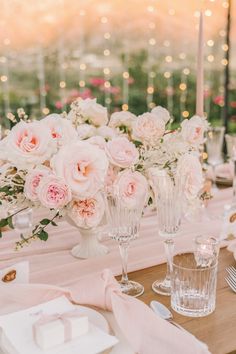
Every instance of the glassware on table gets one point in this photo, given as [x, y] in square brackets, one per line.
[23, 220]
[124, 225]
[168, 191]
[206, 250]
[231, 152]
[193, 287]
[214, 145]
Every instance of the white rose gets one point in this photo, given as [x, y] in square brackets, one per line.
[106, 132]
[62, 129]
[83, 167]
[122, 119]
[189, 170]
[29, 144]
[192, 130]
[148, 129]
[93, 112]
[161, 113]
[85, 131]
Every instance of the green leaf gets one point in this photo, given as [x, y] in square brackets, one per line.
[9, 220]
[3, 222]
[137, 143]
[45, 221]
[0, 234]
[43, 235]
[53, 223]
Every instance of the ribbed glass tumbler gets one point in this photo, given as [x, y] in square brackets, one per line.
[193, 287]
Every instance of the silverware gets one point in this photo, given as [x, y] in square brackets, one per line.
[231, 282]
[232, 272]
[163, 312]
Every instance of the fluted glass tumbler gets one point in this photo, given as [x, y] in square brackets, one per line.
[123, 227]
[168, 190]
[193, 287]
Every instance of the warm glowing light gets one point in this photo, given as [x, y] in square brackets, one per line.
[186, 71]
[150, 90]
[182, 55]
[152, 41]
[152, 74]
[185, 114]
[107, 84]
[167, 74]
[104, 19]
[62, 84]
[210, 43]
[168, 58]
[182, 86]
[222, 33]
[108, 100]
[204, 155]
[150, 9]
[4, 78]
[64, 66]
[225, 4]
[3, 60]
[107, 35]
[224, 62]
[82, 66]
[166, 43]
[45, 110]
[106, 71]
[125, 107]
[225, 47]
[208, 12]
[82, 13]
[125, 75]
[151, 105]
[81, 83]
[106, 52]
[210, 58]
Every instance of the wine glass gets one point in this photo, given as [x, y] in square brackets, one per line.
[214, 145]
[123, 227]
[22, 221]
[168, 191]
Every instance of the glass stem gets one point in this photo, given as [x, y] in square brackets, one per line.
[169, 249]
[124, 247]
[214, 177]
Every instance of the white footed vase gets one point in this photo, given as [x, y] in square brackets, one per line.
[89, 245]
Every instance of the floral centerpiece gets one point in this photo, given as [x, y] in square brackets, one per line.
[63, 162]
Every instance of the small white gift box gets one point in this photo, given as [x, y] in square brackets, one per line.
[52, 330]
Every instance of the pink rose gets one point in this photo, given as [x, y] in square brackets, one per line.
[29, 144]
[193, 129]
[189, 170]
[161, 113]
[132, 189]
[83, 166]
[122, 119]
[148, 129]
[32, 181]
[87, 213]
[53, 192]
[61, 129]
[121, 152]
[98, 141]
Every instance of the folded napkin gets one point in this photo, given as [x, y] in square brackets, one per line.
[147, 333]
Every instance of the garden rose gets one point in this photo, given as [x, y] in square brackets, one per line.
[132, 189]
[53, 192]
[192, 130]
[62, 129]
[189, 170]
[121, 152]
[32, 181]
[148, 129]
[161, 113]
[83, 166]
[93, 112]
[87, 213]
[29, 144]
[123, 119]
[98, 141]
[85, 131]
[106, 132]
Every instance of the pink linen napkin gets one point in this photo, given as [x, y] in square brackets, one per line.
[147, 333]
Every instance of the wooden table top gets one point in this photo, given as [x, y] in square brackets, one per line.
[218, 330]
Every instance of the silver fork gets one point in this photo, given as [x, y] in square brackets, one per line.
[231, 282]
[232, 272]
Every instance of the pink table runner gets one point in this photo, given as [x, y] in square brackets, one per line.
[52, 263]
